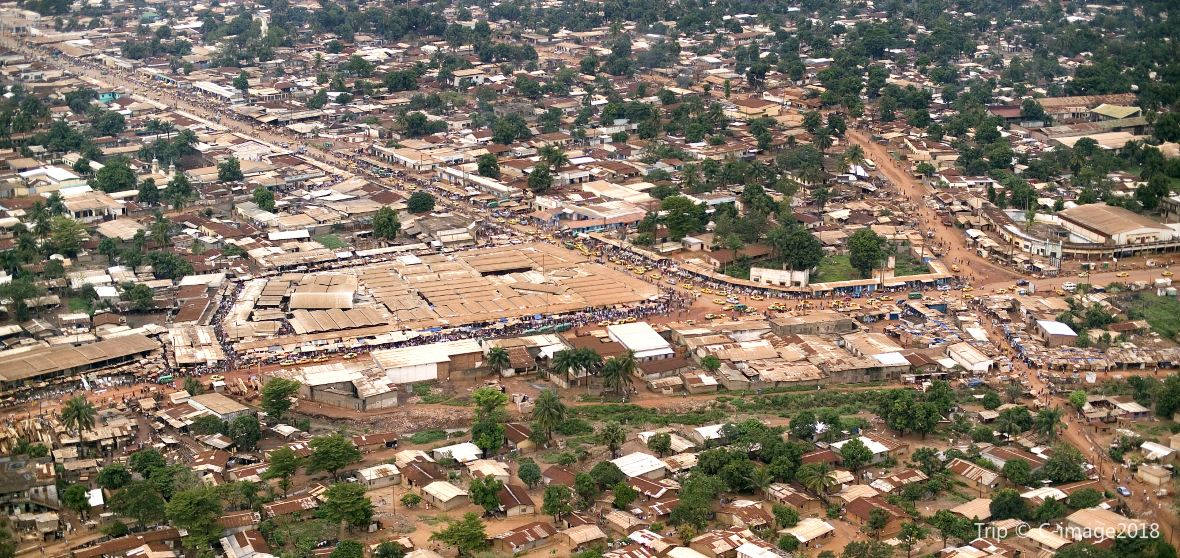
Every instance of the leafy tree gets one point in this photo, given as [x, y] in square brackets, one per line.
[484, 492]
[241, 82]
[1049, 510]
[866, 251]
[928, 461]
[331, 453]
[115, 176]
[1085, 498]
[816, 478]
[557, 501]
[488, 165]
[529, 472]
[245, 432]
[264, 199]
[420, 202]
[347, 549]
[952, 526]
[282, 464]
[586, 490]
[66, 235]
[855, 455]
[76, 497]
[1084, 550]
[208, 424]
[785, 516]
[624, 495]
[411, 500]
[114, 476]
[876, 521]
[1007, 504]
[803, 426]
[346, 502]
[230, 170]
[487, 428]
[612, 435]
[149, 193]
[386, 224]
[541, 179]
[146, 460]
[1167, 401]
[1065, 465]
[910, 535]
[697, 494]
[607, 474]
[991, 400]
[109, 123]
[276, 397]
[467, 535]
[196, 510]
[139, 501]
[1017, 471]
[389, 549]
[660, 443]
[1048, 422]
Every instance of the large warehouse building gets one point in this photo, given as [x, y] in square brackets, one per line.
[1104, 224]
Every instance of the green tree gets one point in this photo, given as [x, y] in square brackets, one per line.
[149, 193]
[282, 464]
[952, 526]
[331, 453]
[264, 199]
[1085, 498]
[784, 516]
[146, 460]
[484, 492]
[245, 432]
[241, 82]
[1084, 550]
[855, 455]
[76, 497]
[77, 414]
[612, 435]
[115, 176]
[624, 495]
[114, 476]
[411, 500]
[541, 179]
[549, 412]
[487, 427]
[386, 224]
[420, 202]
[230, 170]
[488, 166]
[1017, 471]
[347, 549]
[607, 474]
[866, 251]
[140, 502]
[911, 535]
[816, 478]
[660, 443]
[876, 521]
[346, 502]
[586, 489]
[991, 400]
[1077, 399]
[1048, 422]
[557, 501]
[1167, 401]
[389, 549]
[196, 510]
[467, 535]
[529, 472]
[1065, 464]
[276, 397]
[498, 360]
[1007, 504]
[66, 235]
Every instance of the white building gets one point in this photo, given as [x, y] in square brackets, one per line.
[641, 339]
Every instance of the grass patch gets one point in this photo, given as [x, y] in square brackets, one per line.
[636, 415]
[907, 264]
[77, 304]
[427, 436]
[433, 520]
[834, 267]
[330, 241]
[1161, 312]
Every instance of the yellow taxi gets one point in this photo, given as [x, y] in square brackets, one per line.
[968, 289]
[718, 301]
[955, 268]
[1166, 273]
[1084, 274]
[886, 298]
[710, 316]
[1122, 274]
[757, 297]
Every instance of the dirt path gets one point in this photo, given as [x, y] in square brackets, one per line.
[973, 266]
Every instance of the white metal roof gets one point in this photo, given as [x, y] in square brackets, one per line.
[638, 463]
[640, 338]
[1056, 328]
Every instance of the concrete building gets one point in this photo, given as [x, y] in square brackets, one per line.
[1104, 224]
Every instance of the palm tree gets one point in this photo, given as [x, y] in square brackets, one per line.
[589, 362]
[1048, 422]
[612, 436]
[554, 156]
[817, 478]
[549, 412]
[621, 376]
[77, 414]
[498, 359]
[854, 155]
